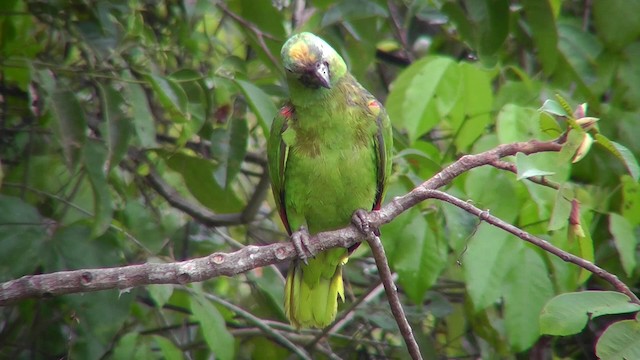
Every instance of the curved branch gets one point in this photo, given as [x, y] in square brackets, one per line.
[541, 243]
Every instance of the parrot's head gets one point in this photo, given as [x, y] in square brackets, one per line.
[311, 61]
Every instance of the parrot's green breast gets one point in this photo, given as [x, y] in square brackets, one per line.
[331, 167]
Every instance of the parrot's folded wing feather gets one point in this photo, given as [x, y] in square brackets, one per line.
[278, 152]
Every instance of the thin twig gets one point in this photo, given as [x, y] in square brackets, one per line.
[260, 35]
[392, 296]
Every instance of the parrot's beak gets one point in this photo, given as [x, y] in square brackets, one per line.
[321, 74]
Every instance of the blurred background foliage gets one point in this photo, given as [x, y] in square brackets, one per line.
[134, 131]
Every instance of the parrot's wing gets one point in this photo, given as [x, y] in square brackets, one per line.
[278, 152]
[383, 146]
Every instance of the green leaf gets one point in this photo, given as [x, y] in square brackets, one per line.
[169, 350]
[553, 107]
[625, 240]
[486, 263]
[527, 169]
[94, 161]
[160, 293]
[561, 208]
[228, 147]
[22, 232]
[198, 175]
[621, 153]
[620, 341]
[126, 347]
[631, 200]
[213, 327]
[567, 314]
[541, 20]
[117, 118]
[260, 103]
[413, 101]
[472, 104]
[527, 288]
[171, 96]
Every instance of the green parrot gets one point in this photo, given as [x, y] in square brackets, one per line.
[329, 159]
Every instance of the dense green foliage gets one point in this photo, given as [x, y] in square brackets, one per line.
[104, 105]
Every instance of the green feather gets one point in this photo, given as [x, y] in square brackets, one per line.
[329, 155]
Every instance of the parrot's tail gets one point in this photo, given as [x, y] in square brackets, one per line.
[309, 303]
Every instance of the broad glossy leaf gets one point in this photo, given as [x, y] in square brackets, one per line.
[415, 252]
[526, 290]
[567, 314]
[625, 240]
[472, 104]
[213, 327]
[412, 103]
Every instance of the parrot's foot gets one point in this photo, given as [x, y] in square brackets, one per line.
[300, 240]
[361, 220]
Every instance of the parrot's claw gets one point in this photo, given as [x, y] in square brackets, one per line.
[360, 219]
[300, 240]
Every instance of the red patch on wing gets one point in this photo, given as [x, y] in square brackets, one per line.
[286, 111]
[374, 104]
